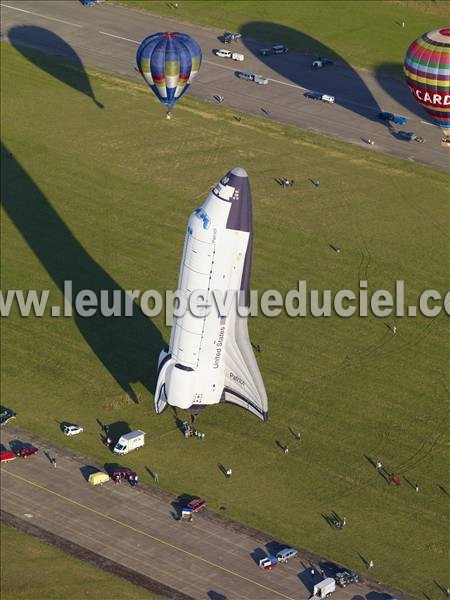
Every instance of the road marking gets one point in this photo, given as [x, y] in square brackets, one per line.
[426, 123]
[119, 37]
[39, 15]
[154, 538]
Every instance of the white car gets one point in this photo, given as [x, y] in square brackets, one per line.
[72, 429]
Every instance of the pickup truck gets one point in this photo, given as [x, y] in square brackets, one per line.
[320, 96]
[268, 562]
[390, 117]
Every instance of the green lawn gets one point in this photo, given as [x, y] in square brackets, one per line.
[102, 197]
[366, 34]
[34, 569]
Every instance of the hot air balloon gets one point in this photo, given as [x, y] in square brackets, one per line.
[427, 71]
[169, 62]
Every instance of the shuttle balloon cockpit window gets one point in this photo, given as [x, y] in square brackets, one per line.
[201, 214]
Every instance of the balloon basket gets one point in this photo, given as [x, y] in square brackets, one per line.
[168, 115]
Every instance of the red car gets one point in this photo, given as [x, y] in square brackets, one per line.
[7, 455]
[26, 451]
[196, 504]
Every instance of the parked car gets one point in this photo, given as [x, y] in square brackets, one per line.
[246, 75]
[231, 36]
[6, 414]
[390, 117]
[72, 429]
[7, 455]
[260, 80]
[343, 578]
[268, 562]
[26, 451]
[280, 49]
[286, 554]
[320, 62]
[196, 504]
[277, 49]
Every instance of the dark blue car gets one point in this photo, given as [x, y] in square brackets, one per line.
[388, 116]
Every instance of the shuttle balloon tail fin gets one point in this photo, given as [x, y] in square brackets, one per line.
[160, 392]
[243, 382]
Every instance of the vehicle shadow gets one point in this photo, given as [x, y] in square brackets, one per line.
[128, 347]
[340, 80]
[258, 554]
[308, 580]
[212, 595]
[35, 43]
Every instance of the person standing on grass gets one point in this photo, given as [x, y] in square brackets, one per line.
[229, 473]
[370, 565]
[156, 478]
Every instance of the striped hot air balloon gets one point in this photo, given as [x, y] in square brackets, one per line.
[169, 62]
[427, 71]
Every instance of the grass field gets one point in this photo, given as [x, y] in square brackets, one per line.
[102, 197]
[33, 569]
[364, 34]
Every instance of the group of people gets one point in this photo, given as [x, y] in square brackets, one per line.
[285, 183]
[132, 478]
[190, 431]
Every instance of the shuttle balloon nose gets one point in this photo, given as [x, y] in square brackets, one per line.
[239, 172]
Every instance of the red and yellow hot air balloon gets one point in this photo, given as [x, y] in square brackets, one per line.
[427, 71]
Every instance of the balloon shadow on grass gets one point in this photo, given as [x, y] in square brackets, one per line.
[35, 43]
[340, 79]
[398, 90]
[128, 347]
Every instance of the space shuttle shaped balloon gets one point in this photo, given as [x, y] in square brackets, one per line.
[210, 358]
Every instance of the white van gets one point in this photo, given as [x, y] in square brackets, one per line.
[129, 442]
[223, 53]
[327, 98]
[285, 554]
[237, 56]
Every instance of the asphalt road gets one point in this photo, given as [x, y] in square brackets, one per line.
[137, 528]
[106, 37]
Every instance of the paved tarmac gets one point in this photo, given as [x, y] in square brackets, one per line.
[138, 528]
[106, 37]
